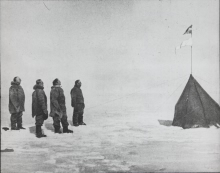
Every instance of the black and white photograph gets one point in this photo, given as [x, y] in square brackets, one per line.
[110, 86]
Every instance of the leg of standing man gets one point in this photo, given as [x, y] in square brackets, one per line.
[81, 118]
[39, 122]
[56, 123]
[80, 114]
[14, 121]
[19, 120]
[75, 118]
[65, 124]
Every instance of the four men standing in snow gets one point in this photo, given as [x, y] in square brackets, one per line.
[39, 106]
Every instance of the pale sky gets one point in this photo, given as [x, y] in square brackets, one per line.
[115, 48]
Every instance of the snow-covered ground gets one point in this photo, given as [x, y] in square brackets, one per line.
[112, 142]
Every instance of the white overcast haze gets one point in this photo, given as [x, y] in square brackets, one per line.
[118, 49]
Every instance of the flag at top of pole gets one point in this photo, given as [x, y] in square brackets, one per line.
[189, 30]
[187, 42]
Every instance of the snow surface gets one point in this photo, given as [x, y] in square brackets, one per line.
[112, 142]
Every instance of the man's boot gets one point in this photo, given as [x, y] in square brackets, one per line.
[14, 128]
[81, 121]
[39, 133]
[66, 130]
[20, 126]
[75, 124]
[57, 129]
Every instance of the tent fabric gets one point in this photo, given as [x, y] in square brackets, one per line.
[195, 108]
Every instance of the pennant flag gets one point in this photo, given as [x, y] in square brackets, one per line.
[189, 30]
[185, 43]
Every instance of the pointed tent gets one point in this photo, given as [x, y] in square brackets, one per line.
[195, 108]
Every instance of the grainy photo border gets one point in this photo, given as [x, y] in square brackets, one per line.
[114, 159]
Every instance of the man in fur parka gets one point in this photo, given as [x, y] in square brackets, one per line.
[39, 107]
[77, 102]
[16, 104]
[58, 108]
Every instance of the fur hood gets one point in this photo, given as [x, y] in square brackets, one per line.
[38, 87]
[56, 86]
[14, 83]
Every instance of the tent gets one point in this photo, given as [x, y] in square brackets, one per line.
[195, 108]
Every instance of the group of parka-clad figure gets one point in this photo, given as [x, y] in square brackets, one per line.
[39, 106]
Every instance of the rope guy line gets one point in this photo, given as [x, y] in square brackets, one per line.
[136, 92]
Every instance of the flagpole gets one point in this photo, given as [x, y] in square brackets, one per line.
[191, 59]
[191, 55]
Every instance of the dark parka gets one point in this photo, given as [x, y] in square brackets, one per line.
[16, 98]
[57, 101]
[76, 96]
[39, 101]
